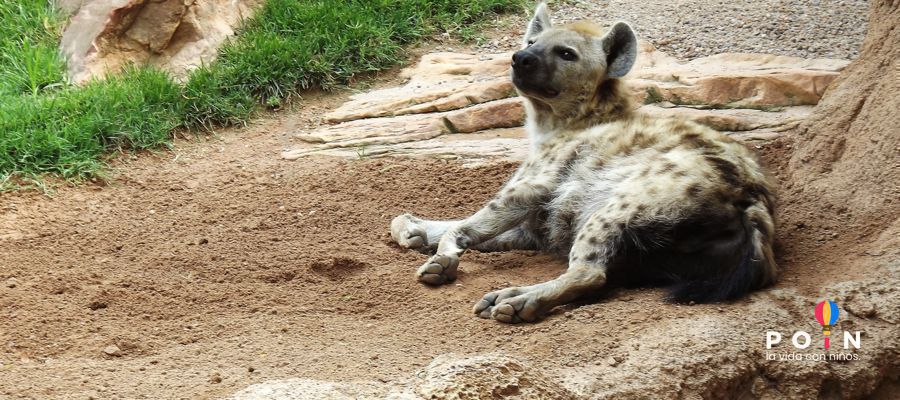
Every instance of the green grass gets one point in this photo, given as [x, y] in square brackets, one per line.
[67, 131]
[50, 127]
[28, 53]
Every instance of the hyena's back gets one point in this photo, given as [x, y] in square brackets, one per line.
[693, 206]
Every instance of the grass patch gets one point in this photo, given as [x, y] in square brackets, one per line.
[292, 46]
[29, 62]
[50, 127]
[67, 131]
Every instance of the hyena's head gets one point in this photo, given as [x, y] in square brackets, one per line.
[566, 64]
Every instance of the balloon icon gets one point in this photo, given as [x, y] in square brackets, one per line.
[827, 313]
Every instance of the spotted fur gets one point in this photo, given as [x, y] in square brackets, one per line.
[658, 200]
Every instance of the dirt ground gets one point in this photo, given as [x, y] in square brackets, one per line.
[218, 265]
[197, 272]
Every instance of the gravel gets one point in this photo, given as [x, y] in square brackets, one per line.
[689, 29]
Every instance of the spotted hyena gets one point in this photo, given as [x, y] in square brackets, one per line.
[622, 194]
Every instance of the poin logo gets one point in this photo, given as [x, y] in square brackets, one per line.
[827, 314]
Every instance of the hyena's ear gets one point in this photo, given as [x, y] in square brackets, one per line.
[538, 24]
[620, 47]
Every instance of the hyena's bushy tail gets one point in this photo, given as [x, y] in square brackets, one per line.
[756, 268]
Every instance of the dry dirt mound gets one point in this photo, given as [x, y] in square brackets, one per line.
[846, 169]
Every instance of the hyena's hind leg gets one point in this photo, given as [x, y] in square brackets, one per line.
[595, 246]
[419, 234]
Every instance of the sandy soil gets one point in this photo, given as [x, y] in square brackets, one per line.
[219, 265]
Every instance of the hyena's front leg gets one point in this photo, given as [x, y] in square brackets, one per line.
[423, 235]
[509, 209]
[418, 234]
[594, 247]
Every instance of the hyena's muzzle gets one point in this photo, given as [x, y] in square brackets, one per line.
[533, 74]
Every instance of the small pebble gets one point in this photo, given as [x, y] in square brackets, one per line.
[112, 351]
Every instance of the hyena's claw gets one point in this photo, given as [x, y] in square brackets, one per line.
[439, 269]
[407, 233]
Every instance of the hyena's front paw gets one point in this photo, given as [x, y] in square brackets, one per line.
[439, 269]
[511, 305]
[408, 232]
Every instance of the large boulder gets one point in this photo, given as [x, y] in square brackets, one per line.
[175, 35]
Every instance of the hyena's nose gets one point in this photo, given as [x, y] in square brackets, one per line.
[524, 61]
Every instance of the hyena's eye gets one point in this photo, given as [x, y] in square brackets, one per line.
[566, 54]
[530, 42]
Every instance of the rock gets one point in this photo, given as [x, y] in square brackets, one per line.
[361, 133]
[446, 81]
[409, 128]
[112, 351]
[155, 24]
[425, 135]
[309, 389]
[399, 127]
[734, 80]
[12, 283]
[460, 93]
[486, 377]
[439, 82]
[472, 149]
[733, 120]
[448, 376]
[68, 7]
[696, 358]
[506, 113]
[880, 299]
[761, 135]
[176, 35]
